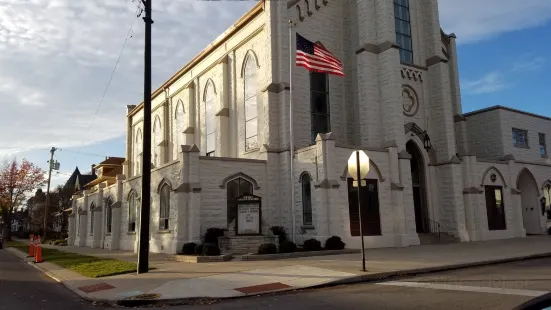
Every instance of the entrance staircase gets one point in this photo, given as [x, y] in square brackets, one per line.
[435, 235]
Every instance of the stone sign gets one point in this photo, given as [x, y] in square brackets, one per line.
[248, 215]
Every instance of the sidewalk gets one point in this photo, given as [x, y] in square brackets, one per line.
[176, 280]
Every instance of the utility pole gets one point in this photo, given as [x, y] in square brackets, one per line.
[52, 166]
[143, 252]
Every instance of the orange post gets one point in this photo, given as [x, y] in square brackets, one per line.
[38, 254]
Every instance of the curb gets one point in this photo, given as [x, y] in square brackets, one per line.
[376, 277]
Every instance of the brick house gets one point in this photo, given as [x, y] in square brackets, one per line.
[220, 130]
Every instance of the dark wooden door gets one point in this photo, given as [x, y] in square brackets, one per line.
[495, 208]
[371, 219]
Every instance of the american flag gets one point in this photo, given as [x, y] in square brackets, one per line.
[315, 57]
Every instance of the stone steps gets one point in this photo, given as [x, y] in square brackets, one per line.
[427, 238]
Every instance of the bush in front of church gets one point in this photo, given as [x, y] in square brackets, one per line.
[189, 248]
[280, 232]
[267, 248]
[199, 249]
[334, 243]
[312, 245]
[211, 249]
[212, 234]
[287, 247]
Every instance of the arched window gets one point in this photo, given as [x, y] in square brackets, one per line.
[403, 30]
[306, 199]
[92, 207]
[109, 220]
[157, 136]
[235, 188]
[164, 212]
[319, 104]
[251, 106]
[132, 210]
[210, 119]
[138, 148]
[179, 124]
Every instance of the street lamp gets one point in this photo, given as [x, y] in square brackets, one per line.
[358, 168]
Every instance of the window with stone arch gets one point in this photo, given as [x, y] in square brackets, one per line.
[138, 148]
[179, 124]
[132, 211]
[164, 207]
[235, 188]
[403, 30]
[157, 136]
[210, 119]
[251, 103]
[109, 214]
[92, 207]
[319, 104]
[306, 186]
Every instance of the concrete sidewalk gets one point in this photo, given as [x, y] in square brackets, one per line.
[176, 280]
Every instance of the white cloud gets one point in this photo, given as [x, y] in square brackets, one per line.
[489, 83]
[529, 63]
[57, 55]
[475, 20]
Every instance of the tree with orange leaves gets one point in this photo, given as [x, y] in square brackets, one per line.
[17, 179]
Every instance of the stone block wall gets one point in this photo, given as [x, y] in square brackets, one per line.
[239, 245]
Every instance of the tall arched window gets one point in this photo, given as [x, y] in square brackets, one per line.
[157, 136]
[92, 207]
[179, 124]
[109, 214]
[210, 119]
[403, 30]
[251, 106]
[319, 104]
[138, 148]
[164, 212]
[132, 210]
[306, 199]
[235, 188]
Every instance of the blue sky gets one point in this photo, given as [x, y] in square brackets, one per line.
[55, 70]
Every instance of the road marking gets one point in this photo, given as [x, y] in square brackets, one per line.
[476, 289]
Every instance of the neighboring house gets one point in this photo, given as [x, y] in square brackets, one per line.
[220, 131]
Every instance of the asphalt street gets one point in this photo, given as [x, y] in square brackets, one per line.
[493, 287]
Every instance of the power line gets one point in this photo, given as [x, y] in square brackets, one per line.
[128, 36]
[81, 153]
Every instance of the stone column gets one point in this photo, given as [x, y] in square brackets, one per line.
[116, 227]
[83, 220]
[223, 131]
[189, 130]
[516, 202]
[402, 199]
[188, 228]
[72, 220]
[473, 198]
[129, 162]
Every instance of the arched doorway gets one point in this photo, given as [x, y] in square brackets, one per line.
[236, 188]
[418, 180]
[529, 202]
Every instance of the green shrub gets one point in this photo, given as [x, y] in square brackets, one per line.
[212, 234]
[287, 247]
[267, 248]
[189, 248]
[280, 232]
[312, 245]
[199, 249]
[211, 249]
[334, 243]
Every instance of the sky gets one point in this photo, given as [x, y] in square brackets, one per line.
[57, 58]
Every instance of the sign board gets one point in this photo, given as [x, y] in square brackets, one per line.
[353, 165]
[248, 215]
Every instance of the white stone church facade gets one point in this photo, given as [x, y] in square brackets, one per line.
[221, 129]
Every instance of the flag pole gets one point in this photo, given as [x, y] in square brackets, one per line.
[291, 144]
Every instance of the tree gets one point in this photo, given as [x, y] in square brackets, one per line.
[17, 179]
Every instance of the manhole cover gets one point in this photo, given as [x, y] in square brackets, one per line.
[144, 297]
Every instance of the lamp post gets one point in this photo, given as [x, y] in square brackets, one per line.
[358, 168]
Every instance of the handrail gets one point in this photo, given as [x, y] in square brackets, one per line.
[434, 227]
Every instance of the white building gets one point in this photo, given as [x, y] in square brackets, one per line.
[221, 129]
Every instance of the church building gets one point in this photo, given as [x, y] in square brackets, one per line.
[221, 140]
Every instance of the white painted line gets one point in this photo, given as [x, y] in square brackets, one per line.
[476, 289]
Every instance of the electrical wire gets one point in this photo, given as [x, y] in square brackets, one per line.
[128, 36]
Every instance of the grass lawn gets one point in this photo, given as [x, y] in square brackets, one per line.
[89, 266]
